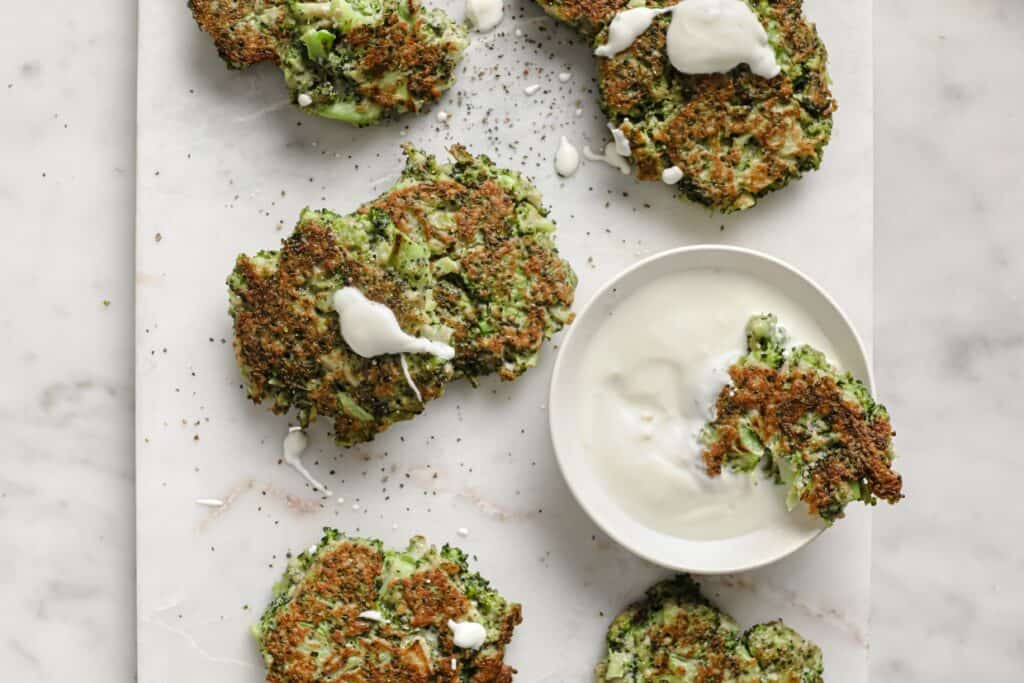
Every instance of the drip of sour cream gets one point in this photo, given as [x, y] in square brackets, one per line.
[295, 444]
[704, 36]
[610, 157]
[484, 15]
[622, 147]
[371, 329]
[567, 158]
[468, 634]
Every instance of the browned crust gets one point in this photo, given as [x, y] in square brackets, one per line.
[587, 16]
[239, 40]
[699, 135]
[396, 45]
[780, 399]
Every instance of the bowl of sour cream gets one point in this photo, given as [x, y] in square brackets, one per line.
[636, 380]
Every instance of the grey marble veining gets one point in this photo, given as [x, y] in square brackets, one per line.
[66, 211]
[947, 599]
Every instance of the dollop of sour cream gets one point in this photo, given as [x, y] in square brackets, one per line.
[704, 36]
[567, 158]
[484, 15]
[372, 615]
[371, 329]
[295, 444]
[468, 635]
[671, 175]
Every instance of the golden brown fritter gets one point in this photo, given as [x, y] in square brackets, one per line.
[461, 253]
[312, 630]
[735, 136]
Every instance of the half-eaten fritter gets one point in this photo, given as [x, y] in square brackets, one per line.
[461, 253]
[675, 635]
[349, 611]
[811, 428]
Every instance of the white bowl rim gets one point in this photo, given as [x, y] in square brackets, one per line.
[556, 376]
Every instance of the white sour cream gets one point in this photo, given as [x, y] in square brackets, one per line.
[295, 444]
[610, 157]
[567, 158]
[704, 36]
[671, 175]
[305, 100]
[649, 381]
[372, 615]
[371, 329]
[468, 635]
[484, 15]
[622, 147]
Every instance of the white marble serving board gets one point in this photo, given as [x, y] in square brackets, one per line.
[225, 165]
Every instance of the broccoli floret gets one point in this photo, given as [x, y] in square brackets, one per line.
[766, 342]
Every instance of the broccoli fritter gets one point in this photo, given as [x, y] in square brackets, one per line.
[358, 61]
[244, 31]
[674, 635]
[462, 253]
[347, 610]
[734, 136]
[815, 430]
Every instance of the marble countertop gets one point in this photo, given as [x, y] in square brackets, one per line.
[946, 600]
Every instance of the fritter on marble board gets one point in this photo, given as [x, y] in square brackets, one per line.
[674, 635]
[734, 136]
[350, 611]
[814, 430]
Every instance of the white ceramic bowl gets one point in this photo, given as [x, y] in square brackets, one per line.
[751, 550]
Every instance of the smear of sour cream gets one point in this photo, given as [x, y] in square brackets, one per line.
[484, 15]
[468, 635]
[622, 147]
[704, 36]
[567, 158]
